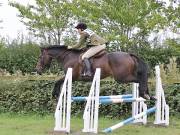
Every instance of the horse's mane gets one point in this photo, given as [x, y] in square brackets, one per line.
[62, 47]
[56, 47]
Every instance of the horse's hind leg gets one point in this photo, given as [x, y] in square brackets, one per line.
[143, 86]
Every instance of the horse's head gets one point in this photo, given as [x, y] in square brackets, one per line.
[43, 61]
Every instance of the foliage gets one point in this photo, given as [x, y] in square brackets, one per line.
[46, 19]
[127, 22]
[2, 43]
[21, 57]
[173, 96]
[128, 25]
[155, 56]
[174, 44]
[35, 97]
[28, 96]
[170, 73]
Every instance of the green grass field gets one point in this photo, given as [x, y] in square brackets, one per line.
[37, 125]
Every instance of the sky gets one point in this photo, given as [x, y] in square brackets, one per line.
[11, 23]
[12, 26]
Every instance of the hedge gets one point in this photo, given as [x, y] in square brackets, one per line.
[35, 97]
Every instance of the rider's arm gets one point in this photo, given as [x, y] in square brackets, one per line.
[82, 41]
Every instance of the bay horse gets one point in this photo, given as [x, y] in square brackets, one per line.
[123, 67]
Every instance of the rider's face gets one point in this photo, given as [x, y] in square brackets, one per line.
[79, 31]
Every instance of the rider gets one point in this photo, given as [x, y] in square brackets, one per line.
[89, 38]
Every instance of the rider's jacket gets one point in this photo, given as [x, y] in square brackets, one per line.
[88, 37]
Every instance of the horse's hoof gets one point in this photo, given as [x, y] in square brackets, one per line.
[89, 74]
[153, 98]
[147, 97]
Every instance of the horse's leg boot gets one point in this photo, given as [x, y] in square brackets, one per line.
[88, 67]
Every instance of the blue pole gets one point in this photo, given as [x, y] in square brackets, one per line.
[79, 98]
[129, 120]
[121, 100]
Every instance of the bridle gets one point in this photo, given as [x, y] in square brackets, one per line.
[45, 52]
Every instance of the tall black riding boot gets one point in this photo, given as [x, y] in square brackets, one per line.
[87, 67]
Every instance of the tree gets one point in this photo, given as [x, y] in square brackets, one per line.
[175, 45]
[48, 19]
[127, 22]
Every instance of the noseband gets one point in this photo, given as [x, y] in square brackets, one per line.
[45, 52]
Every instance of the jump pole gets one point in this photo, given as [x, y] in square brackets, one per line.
[161, 109]
[81, 98]
[138, 107]
[63, 109]
[91, 111]
[94, 100]
[126, 100]
[129, 120]
[162, 113]
[110, 100]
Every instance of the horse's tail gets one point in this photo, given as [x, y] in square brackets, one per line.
[142, 75]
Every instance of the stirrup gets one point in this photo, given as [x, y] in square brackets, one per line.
[85, 74]
[88, 74]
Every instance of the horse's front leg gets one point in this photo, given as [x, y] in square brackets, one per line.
[57, 86]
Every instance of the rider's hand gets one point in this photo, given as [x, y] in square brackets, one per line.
[70, 47]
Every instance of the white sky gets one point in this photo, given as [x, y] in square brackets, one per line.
[11, 23]
[12, 26]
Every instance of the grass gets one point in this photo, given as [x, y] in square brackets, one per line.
[38, 125]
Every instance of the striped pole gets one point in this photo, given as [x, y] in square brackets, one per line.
[125, 100]
[129, 120]
[112, 100]
[80, 98]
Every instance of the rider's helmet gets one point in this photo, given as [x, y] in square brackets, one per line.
[81, 26]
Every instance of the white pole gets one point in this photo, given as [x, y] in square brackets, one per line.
[92, 106]
[162, 112]
[138, 107]
[63, 109]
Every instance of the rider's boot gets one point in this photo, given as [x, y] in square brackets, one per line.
[87, 67]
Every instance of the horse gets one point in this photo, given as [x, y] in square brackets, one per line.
[122, 66]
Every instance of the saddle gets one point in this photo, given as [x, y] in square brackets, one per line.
[98, 55]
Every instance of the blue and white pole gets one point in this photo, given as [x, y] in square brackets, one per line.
[80, 98]
[123, 100]
[110, 100]
[129, 120]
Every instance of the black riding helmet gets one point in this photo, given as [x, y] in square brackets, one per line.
[81, 26]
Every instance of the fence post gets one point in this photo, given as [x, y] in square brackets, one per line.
[63, 109]
[162, 112]
[92, 106]
[138, 107]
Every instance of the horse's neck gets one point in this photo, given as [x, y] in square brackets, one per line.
[64, 56]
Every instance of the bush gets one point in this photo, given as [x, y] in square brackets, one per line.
[173, 98]
[26, 97]
[35, 97]
[19, 57]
